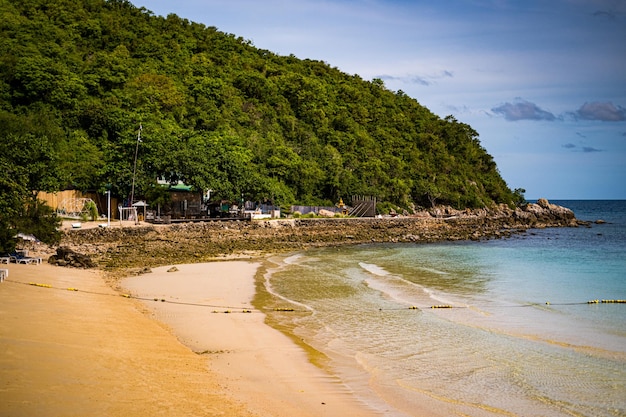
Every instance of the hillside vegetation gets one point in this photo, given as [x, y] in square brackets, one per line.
[79, 78]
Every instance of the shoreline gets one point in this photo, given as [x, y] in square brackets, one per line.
[147, 245]
[72, 345]
[113, 371]
[262, 367]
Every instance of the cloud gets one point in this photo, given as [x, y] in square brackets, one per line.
[584, 149]
[425, 80]
[413, 80]
[588, 149]
[606, 13]
[611, 13]
[605, 112]
[523, 110]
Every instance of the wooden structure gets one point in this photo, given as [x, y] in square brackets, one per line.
[363, 206]
[55, 200]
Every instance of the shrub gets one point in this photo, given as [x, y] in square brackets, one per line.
[92, 210]
[38, 219]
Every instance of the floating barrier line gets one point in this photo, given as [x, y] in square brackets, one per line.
[36, 284]
[229, 309]
[163, 300]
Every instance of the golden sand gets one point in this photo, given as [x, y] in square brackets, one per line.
[72, 346]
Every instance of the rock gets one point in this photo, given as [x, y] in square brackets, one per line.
[141, 271]
[549, 215]
[173, 269]
[165, 245]
[542, 202]
[67, 257]
[326, 213]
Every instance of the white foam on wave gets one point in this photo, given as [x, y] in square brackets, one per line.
[374, 269]
[441, 298]
[400, 289]
[292, 260]
[433, 271]
[393, 286]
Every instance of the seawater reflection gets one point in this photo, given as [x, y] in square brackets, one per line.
[502, 351]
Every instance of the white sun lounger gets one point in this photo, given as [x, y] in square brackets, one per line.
[25, 260]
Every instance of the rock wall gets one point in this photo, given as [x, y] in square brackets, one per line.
[156, 245]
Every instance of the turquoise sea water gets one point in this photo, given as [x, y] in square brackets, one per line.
[520, 340]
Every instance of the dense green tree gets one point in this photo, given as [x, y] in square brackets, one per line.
[28, 164]
[78, 78]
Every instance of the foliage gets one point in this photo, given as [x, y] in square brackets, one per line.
[28, 163]
[7, 243]
[518, 196]
[78, 79]
[386, 208]
[91, 211]
[39, 220]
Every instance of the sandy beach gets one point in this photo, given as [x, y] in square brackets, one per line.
[94, 352]
[208, 307]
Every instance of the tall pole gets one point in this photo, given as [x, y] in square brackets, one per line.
[108, 208]
[132, 190]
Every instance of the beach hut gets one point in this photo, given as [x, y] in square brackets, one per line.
[141, 206]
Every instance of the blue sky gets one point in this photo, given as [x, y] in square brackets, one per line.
[543, 82]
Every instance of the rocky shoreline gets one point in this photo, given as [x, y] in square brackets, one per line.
[158, 245]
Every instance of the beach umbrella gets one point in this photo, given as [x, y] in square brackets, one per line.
[24, 236]
[141, 204]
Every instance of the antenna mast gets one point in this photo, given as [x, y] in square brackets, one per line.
[132, 190]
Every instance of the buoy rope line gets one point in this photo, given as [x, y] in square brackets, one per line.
[226, 309]
[239, 309]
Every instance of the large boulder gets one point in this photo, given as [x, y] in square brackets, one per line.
[326, 213]
[550, 214]
[67, 257]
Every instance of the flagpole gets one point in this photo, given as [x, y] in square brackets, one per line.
[132, 190]
[108, 208]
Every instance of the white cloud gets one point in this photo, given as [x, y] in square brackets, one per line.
[523, 110]
[606, 112]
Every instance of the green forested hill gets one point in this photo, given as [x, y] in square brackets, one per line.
[78, 78]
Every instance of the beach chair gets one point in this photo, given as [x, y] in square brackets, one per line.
[5, 259]
[35, 260]
[20, 258]
[4, 274]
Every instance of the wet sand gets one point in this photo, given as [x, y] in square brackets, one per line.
[208, 307]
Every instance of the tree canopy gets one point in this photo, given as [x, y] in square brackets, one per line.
[78, 78]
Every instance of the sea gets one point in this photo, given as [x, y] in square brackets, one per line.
[505, 327]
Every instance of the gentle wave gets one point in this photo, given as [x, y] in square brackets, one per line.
[433, 271]
[293, 259]
[281, 264]
[374, 269]
[401, 289]
[553, 360]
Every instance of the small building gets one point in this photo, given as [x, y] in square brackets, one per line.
[182, 202]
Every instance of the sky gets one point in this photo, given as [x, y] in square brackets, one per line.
[543, 82]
